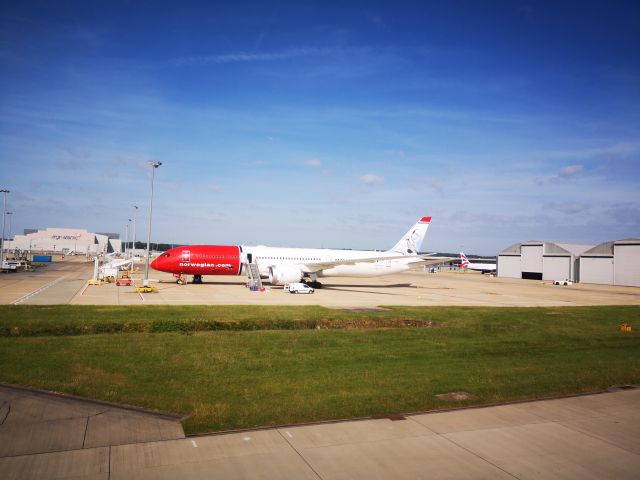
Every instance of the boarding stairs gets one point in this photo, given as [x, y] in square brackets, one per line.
[253, 275]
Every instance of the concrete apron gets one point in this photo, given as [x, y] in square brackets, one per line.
[592, 436]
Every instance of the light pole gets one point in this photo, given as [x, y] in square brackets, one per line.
[4, 192]
[153, 166]
[135, 210]
[10, 215]
[126, 243]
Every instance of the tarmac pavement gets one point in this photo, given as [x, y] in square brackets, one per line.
[66, 283]
[51, 284]
[410, 288]
[587, 437]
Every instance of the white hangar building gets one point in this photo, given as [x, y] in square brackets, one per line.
[540, 260]
[610, 263]
[65, 240]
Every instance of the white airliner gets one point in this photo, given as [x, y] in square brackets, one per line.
[289, 265]
[481, 267]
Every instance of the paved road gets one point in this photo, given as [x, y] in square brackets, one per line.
[587, 437]
[55, 283]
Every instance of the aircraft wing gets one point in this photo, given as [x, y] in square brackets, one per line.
[423, 262]
[120, 263]
[311, 267]
[116, 264]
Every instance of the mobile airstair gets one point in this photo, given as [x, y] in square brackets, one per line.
[253, 276]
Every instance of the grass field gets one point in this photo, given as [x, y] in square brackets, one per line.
[237, 367]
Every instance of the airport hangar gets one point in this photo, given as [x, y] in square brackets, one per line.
[608, 263]
[65, 241]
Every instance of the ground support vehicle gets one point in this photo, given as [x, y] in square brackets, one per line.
[298, 288]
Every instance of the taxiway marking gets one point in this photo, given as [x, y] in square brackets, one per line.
[39, 290]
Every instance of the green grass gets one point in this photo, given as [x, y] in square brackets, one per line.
[285, 370]
[62, 320]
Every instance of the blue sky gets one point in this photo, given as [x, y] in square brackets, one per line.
[324, 124]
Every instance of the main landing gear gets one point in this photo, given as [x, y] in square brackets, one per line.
[182, 279]
[314, 284]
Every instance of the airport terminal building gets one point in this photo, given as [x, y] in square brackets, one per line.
[609, 263]
[65, 241]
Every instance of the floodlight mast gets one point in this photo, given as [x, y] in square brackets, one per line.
[153, 166]
[128, 236]
[10, 215]
[135, 210]
[126, 241]
[4, 192]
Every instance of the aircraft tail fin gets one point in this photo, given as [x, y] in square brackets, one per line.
[464, 262]
[411, 242]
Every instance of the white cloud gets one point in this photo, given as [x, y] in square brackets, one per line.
[396, 153]
[568, 208]
[250, 57]
[613, 150]
[313, 163]
[370, 179]
[571, 170]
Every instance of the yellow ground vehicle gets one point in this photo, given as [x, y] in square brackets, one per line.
[143, 289]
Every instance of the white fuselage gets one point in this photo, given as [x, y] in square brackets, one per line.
[267, 257]
[481, 267]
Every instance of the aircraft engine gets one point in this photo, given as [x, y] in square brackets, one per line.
[282, 275]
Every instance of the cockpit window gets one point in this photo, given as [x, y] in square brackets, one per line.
[165, 255]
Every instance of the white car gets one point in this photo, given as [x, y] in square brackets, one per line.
[10, 265]
[299, 288]
[563, 282]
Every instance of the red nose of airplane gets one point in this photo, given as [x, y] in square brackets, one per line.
[154, 264]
